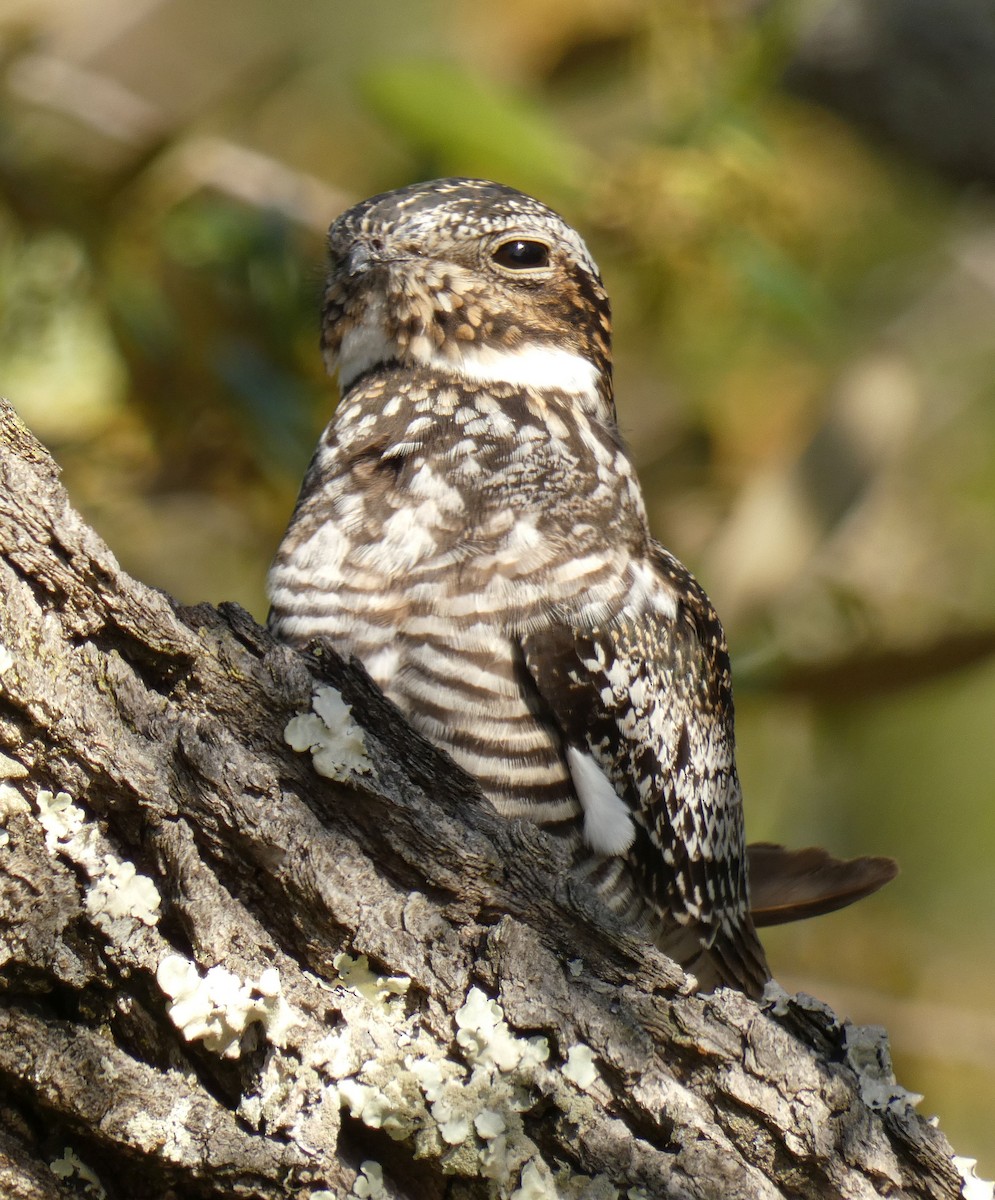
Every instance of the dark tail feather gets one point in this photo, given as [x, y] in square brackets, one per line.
[790, 885]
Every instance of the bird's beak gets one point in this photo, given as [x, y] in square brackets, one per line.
[361, 257]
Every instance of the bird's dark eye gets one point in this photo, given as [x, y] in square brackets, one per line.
[521, 254]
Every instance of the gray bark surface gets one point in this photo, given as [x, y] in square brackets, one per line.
[164, 726]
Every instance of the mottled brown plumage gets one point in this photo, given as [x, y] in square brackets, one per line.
[472, 529]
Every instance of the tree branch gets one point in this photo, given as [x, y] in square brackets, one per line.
[207, 1027]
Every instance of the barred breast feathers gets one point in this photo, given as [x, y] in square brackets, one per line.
[436, 490]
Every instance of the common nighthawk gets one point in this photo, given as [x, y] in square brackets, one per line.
[472, 529]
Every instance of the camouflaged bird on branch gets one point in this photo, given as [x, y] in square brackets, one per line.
[472, 529]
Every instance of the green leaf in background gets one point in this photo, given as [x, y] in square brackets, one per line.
[464, 125]
[788, 295]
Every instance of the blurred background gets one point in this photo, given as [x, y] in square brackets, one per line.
[792, 207]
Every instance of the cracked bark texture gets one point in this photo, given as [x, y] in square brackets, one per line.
[164, 725]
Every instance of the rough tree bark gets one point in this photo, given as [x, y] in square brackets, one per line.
[156, 825]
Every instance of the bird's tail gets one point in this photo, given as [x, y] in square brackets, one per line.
[791, 885]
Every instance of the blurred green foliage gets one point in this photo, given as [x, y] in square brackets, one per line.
[805, 352]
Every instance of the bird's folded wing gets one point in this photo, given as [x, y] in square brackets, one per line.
[648, 739]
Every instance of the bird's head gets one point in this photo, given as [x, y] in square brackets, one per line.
[468, 278]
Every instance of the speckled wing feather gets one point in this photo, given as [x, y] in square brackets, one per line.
[649, 699]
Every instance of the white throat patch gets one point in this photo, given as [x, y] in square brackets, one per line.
[364, 346]
[534, 366]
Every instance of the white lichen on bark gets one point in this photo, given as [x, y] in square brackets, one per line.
[116, 890]
[120, 891]
[974, 1187]
[355, 973]
[59, 816]
[71, 1168]
[218, 1007]
[467, 1108]
[336, 742]
[579, 1067]
[369, 1183]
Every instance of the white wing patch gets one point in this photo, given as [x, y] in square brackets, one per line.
[608, 827]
